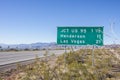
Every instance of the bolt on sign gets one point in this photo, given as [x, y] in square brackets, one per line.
[80, 35]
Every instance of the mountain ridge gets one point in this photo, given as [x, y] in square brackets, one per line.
[32, 45]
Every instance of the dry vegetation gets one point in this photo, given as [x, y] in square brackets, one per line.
[72, 66]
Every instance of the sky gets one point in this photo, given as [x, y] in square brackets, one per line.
[30, 21]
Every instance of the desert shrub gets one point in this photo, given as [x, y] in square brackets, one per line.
[1, 78]
[72, 66]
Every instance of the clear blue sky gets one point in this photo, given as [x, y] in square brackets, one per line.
[29, 21]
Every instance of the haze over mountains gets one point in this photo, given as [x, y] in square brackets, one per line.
[37, 45]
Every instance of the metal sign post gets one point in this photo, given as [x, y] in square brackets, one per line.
[72, 49]
[65, 57]
[65, 50]
[93, 55]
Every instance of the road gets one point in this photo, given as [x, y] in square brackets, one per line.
[13, 57]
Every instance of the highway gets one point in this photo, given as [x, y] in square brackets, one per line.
[13, 57]
[9, 60]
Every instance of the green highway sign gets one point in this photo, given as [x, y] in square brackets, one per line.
[80, 35]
